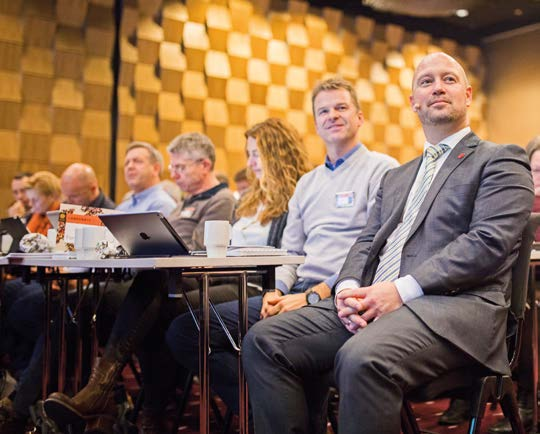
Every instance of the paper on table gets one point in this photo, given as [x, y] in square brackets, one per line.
[255, 251]
[75, 216]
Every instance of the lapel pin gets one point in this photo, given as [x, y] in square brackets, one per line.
[460, 156]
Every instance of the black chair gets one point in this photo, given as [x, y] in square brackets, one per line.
[492, 387]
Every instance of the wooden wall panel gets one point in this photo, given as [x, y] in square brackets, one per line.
[214, 66]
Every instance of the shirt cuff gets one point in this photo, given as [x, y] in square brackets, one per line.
[408, 288]
[282, 287]
[347, 283]
[331, 281]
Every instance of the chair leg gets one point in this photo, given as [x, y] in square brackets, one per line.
[408, 420]
[227, 421]
[509, 405]
[137, 406]
[184, 398]
[484, 391]
[215, 410]
[333, 405]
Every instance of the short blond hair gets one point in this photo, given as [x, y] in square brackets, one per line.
[334, 83]
[45, 183]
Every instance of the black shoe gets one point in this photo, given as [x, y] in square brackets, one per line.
[456, 413]
[504, 427]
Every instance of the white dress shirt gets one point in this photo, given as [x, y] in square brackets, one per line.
[408, 288]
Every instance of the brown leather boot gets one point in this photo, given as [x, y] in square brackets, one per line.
[93, 406]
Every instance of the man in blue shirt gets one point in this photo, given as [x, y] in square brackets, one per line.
[143, 165]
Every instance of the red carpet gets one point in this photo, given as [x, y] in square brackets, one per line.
[427, 413]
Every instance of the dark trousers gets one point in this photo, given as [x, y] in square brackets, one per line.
[182, 339]
[24, 326]
[22, 321]
[143, 317]
[288, 359]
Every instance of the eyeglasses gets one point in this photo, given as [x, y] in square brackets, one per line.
[181, 168]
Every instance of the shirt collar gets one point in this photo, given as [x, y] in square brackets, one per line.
[451, 140]
[341, 160]
[137, 197]
[205, 194]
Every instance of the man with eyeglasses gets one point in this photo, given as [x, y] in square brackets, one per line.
[192, 158]
[147, 311]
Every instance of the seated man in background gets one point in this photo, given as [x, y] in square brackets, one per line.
[327, 211]
[19, 185]
[192, 159]
[143, 165]
[80, 187]
[424, 289]
[22, 307]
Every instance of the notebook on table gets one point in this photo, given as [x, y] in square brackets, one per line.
[145, 234]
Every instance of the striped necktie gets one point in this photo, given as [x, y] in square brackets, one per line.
[390, 260]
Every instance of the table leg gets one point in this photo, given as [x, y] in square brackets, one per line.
[242, 330]
[94, 346]
[77, 374]
[204, 345]
[62, 347]
[46, 340]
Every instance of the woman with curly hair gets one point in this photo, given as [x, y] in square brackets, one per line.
[276, 160]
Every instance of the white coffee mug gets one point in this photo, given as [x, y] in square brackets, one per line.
[7, 241]
[86, 239]
[217, 235]
[51, 237]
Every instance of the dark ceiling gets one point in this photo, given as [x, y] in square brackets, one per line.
[486, 17]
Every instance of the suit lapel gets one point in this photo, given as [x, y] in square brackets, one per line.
[458, 155]
[405, 178]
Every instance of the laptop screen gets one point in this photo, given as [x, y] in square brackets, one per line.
[145, 234]
[12, 230]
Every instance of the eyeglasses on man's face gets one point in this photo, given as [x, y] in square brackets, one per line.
[182, 167]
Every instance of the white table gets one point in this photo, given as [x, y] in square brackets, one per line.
[203, 268]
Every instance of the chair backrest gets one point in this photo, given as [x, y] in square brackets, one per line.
[520, 285]
[520, 270]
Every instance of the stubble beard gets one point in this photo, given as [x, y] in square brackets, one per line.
[441, 118]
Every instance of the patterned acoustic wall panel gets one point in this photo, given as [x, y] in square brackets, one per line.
[214, 66]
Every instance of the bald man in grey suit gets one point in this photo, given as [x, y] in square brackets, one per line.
[424, 289]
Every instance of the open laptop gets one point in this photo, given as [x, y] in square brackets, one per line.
[14, 228]
[145, 234]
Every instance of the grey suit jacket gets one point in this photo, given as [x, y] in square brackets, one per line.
[462, 244]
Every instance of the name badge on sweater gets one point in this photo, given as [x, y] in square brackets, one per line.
[345, 199]
[187, 213]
